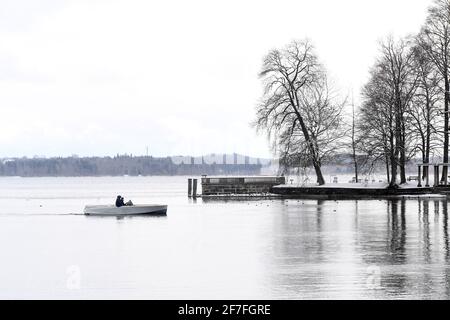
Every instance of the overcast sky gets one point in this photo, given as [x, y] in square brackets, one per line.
[106, 77]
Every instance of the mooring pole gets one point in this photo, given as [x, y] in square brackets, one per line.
[420, 176]
[189, 188]
[194, 189]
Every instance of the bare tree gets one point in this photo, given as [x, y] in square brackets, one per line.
[397, 67]
[389, 93]
[376, 122]
[355, 141]
[324, 120]
[297, 108]
[424, 110]
[434, 38]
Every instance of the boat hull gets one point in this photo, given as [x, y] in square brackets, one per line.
[125, 210]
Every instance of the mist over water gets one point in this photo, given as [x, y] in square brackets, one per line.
[210, 249]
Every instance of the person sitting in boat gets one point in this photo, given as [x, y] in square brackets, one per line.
[119, 201]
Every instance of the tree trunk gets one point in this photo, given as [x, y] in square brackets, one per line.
[426, 154]
[387, 168]
[393, 171]
[399, 136]
[396, 143]
[402, 166]
[426, 141]
[446, 117]
[386, 157]
[316, 162]
[356, 166]
[320, 179]
[402, 154]
[314, 157]
[393, 161]
[355, 162]
[423, 149]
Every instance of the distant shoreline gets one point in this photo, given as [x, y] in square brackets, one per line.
[123, 165]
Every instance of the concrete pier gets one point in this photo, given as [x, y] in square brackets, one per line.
[258, 185]
[348, 192]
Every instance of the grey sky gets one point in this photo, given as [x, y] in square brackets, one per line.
[107, 77]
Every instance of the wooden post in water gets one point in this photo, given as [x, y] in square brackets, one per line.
[194, 189]
[189, 187]
[419, 176]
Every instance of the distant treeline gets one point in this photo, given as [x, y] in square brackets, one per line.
[118, 166]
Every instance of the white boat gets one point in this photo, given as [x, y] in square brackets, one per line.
[110, 210]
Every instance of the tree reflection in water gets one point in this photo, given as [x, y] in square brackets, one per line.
[326, 248]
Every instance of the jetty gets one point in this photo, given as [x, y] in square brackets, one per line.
[237, 186]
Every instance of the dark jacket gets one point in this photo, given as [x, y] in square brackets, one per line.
[119, 201]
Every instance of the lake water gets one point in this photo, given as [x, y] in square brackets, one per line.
[261, 249]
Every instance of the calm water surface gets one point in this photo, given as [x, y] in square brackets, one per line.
[262, 249]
